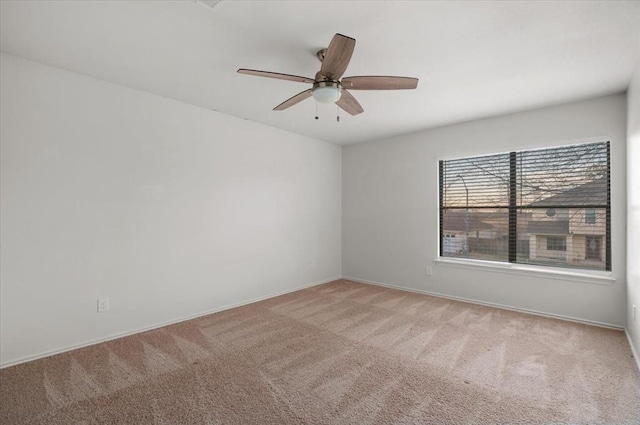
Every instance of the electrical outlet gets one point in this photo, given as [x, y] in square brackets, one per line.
[103, 305]
[312, 264]
[429, 270]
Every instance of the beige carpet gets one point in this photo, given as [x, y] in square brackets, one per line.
[338, 353]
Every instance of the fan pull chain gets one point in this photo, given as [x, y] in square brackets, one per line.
[316, 109]
[337, 113]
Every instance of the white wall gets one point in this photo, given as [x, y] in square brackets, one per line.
[390, 211]
[168, 209]
[633, 208]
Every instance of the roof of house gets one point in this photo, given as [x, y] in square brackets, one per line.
[549, 227]
[590, 193]
[455, 221]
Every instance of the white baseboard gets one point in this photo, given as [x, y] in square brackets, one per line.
[633, 349]
[488, 304]
[156, 326]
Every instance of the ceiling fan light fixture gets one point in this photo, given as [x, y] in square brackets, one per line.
[327, 92]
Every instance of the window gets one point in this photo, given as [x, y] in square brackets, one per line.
[592, 246]
[556, 243]
[548, 207]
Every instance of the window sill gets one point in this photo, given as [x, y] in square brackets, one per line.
[596, 277]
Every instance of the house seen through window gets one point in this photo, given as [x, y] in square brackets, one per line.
[548, 207]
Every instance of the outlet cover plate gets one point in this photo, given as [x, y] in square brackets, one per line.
[103, 305]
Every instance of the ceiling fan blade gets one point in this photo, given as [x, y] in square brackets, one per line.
[337, 57]
[276, 75]
[349, 103]
[293, 100]
[379, 83]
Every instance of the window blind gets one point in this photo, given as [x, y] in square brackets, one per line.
[547, 207]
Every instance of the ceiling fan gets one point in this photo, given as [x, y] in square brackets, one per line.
[328, 84]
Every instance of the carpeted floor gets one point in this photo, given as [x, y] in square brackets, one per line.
[342, 352]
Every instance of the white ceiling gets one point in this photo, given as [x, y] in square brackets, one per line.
[473, 59]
